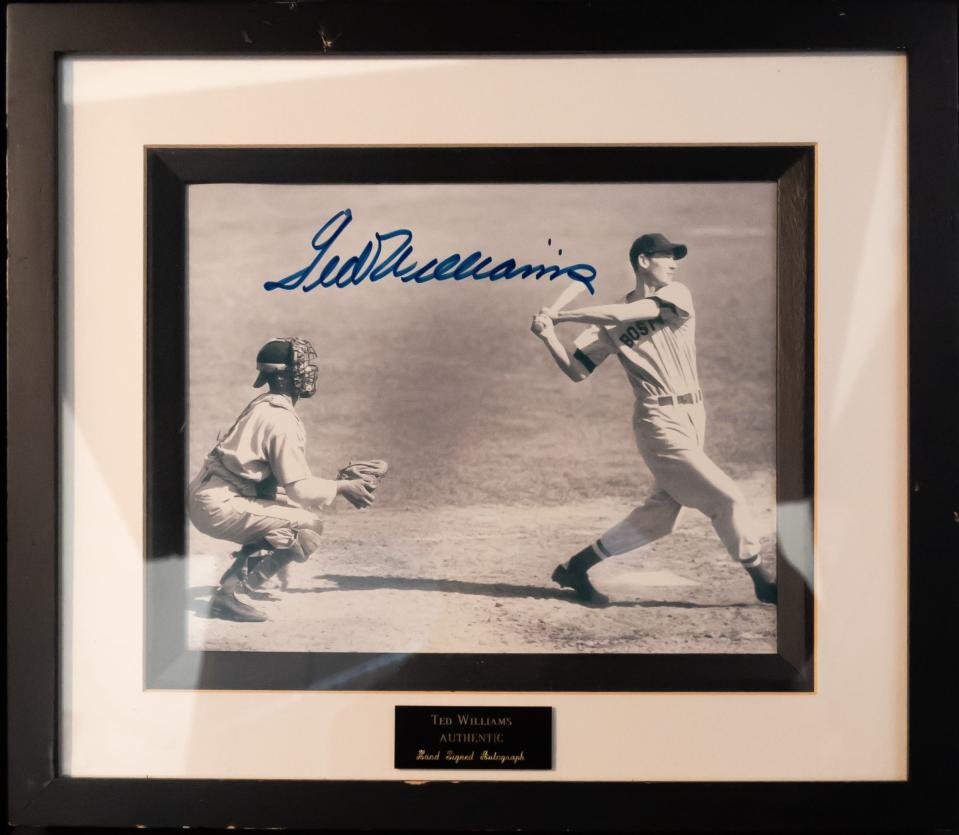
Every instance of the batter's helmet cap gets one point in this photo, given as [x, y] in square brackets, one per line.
[655, 244]
[276, 355]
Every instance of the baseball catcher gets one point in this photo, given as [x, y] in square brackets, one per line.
[256, 488]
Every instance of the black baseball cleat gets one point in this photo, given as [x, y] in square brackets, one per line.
[763, 583]
[224, 605]
[580, 584]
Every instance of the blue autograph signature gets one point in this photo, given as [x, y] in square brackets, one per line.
[370, 265]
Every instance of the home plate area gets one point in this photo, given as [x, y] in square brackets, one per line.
[630, 581]
[450, 581]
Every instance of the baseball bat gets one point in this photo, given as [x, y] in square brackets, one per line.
[571, 292]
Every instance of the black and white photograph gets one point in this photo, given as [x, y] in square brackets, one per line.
[481, 417]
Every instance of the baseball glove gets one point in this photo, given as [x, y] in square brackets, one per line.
[371, 472]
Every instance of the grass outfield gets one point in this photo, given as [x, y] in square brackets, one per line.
[444, 380]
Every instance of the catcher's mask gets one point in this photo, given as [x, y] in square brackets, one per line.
[288, 355]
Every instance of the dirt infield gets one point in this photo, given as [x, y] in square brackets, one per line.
[477, 579]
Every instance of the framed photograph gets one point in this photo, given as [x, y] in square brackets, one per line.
[456, 541]
[511, 425]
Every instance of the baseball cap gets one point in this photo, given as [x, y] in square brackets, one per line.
[276, 355]
[655, 244]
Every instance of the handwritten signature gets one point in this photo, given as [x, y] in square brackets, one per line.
[371, 265]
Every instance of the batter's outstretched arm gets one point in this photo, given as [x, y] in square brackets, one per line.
[610, 314]
[558, 352]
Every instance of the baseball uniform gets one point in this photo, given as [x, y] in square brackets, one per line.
[233, 497]
[669, 424]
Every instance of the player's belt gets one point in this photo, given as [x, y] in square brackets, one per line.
[680, 399]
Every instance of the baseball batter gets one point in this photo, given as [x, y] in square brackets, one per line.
[652, 333]
[235, 495]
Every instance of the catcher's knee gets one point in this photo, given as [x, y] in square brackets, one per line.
[307, 542]
[280, 537]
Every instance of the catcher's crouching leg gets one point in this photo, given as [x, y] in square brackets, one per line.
[306, 543]
[242, 561]
[224, 603]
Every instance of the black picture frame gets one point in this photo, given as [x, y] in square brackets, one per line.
[170, 664]
[38, 34]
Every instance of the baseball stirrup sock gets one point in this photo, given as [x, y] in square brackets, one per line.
[583, 561]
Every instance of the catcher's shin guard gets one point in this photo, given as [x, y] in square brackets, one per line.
[306, 545]
[242, 562]
[266, 568]
[262, 569]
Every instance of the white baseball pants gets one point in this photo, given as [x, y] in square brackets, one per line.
[218, 509]
[670, 439]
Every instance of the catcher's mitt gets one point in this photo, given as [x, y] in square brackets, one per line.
[371, 472]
